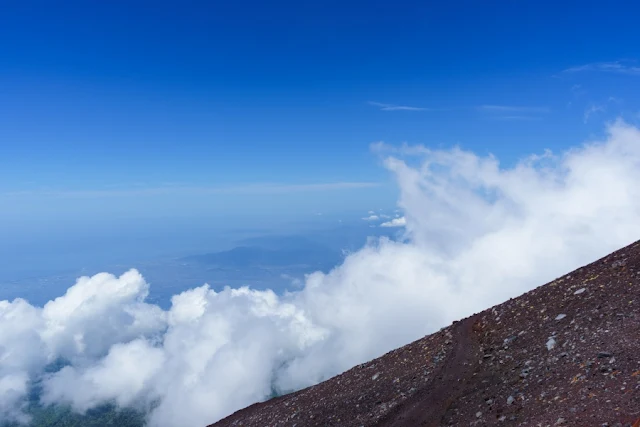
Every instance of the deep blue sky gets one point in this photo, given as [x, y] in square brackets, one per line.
[111, 105]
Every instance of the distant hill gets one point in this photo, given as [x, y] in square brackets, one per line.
[282, 242]
[564, 354]
[272, 252]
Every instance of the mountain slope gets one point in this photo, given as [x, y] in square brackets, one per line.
[566, 353]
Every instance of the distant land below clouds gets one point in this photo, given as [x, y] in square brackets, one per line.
[262, 261]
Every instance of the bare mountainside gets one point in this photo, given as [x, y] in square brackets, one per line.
[566, 353]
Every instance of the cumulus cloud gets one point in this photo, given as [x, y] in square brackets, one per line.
[123, 375]
[476, 234]
[371, 218]
[395, 222]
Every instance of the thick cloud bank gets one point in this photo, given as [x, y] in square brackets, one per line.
[477, 234]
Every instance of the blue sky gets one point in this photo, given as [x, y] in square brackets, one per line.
[170, 113]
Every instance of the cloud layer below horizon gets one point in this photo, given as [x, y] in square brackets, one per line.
[476, 235]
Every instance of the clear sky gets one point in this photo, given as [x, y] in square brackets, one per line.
[158, 112]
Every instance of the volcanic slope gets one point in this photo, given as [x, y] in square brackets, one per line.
[566, 353]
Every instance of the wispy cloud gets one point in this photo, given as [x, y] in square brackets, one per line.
[516, 117]
[594, 108]
[591, 110]
[619, 67]
[513, 109]
[194, 190]
[393, 107]
[512, 112]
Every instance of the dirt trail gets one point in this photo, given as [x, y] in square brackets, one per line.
[429, 405]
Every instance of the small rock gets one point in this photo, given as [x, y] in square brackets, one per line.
[560, 421]
[561, 316]
[478, 414]
[375, 377]
[579, 291]
[551, 343]
[619, 263]
[510, 339]
[604, 354]
[510, 400]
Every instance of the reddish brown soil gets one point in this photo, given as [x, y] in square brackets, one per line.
[429, 405]
[566, 353]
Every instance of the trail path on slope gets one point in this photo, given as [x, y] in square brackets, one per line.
[428, 406]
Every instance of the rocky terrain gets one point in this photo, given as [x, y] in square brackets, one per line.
[564, 354]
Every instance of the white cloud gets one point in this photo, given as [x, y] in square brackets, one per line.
[124, 375]
[296, 282]
[371, 218]
[477, 234]
[395, 222]
[393, 107]
[618, 67]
